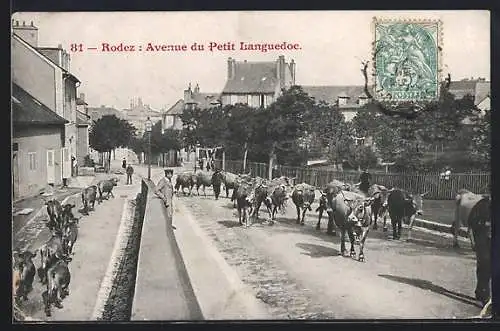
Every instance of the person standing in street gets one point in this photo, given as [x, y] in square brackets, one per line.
[165, 190]
[124, 164]
[364, 181]
[129, 171]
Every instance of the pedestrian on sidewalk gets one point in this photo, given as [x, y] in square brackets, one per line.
[129, 171]
[165, 190]
[124, 164]
[364, 181]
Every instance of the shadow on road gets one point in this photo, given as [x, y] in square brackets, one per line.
[318, 250]
[427, 285]
[230, 223]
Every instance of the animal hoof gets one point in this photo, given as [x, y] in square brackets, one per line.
[302, 223]
[58, 305]
[48, 313]
[353, 255]
[361, 258]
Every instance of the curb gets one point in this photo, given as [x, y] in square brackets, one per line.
[121, 240]
[219, 290]
[439, 227]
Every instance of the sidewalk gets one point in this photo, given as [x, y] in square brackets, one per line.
[93, 250]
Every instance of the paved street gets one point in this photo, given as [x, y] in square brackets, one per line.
[298, 272]
[93, 249]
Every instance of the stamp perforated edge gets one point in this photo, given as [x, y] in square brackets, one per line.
[439, 43]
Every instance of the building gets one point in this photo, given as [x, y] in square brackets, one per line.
[38, 137]
[138, 113]
[44, 73]
[350, 99]
[257, 84]
[95, 113]
[83, 123]
[171, 119]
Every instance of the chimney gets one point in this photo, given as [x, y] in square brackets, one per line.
[231, 68]
[187, 94]
[281, 70]
[197, 88]
[29, 33]
[292, 70]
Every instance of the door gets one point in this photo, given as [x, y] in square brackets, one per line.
[51, 167]
[66, 163]
[15, 175]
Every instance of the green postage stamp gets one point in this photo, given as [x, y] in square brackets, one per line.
[407, 60]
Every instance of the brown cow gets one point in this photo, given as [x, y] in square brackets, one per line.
[25, 274]
[89, 196]
[50, 252]
[106, 186]
[59, 277]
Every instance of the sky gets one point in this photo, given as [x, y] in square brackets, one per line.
[332, 46]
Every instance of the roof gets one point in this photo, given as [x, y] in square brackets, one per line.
[66, 72]
[176, 109]
[252, 77]
[98, 112]
[479, 89]
[82, 119]
[330, 93]
[26, 110]
[204, 100]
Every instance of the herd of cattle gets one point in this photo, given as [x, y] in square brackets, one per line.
[352, 211]
[56, 252]
[349, 209]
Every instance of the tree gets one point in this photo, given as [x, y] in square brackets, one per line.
[481, 141]
[283, 123]
[241, 128]
[138, 145]
[110, 132]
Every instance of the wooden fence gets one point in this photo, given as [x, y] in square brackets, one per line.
[437, 188]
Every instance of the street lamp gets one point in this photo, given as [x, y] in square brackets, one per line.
[149, 128]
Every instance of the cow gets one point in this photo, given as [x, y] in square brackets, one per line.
[69, 236]
[473, 210]
[67, 216]
[185, 180]
[303, 197]
[217, 179]
[50, 252]
[273, 194]
[229, 181]
[402, 204]
[243, 195]
[328, 194]
[59, 277]
[351, 213]
[204, 179]
[54, 210]
[89, 196]
[379, 204]
[106, 186]
[23, 264]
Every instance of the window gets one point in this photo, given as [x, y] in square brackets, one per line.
[362, 101]
[262, 102]
[32, 161]
[169, 121]
[234, 99]
[342, 101]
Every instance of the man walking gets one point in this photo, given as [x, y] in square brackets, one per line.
[129, 171]
[165, 190]
[364, 180]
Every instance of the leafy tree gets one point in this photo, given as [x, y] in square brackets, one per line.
[110, 132]
[362, 157]
[241, 128]
[283, 123]
[481, 141]
[138, 145]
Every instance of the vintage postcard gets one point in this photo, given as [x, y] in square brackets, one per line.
[279, 165]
